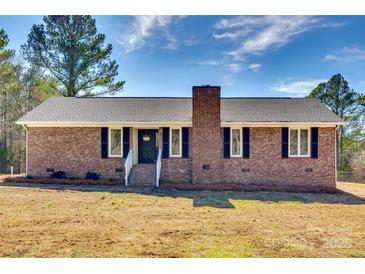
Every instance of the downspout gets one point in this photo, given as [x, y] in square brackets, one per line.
[26, 148]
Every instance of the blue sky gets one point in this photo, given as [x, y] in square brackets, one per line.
[246, 55]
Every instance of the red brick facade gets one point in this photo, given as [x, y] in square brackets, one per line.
[207, 137]
[267, 166]
[74, 150]
[78, 150]
[176, 169]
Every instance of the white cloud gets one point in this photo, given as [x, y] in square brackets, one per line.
[255, 67]
[347, 55]
[172, 43]
[297, 88]
[191, 41]
[239, 21]
[145, 27]
[228, 80]
[209, 63]
[231, 35]
[234, 67]
[330, 57]
[257, 34]
[231, 67]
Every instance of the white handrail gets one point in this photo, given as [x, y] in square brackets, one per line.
[128, 164]
[158, 168]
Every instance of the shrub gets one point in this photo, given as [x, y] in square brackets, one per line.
[91, 175]
[59, 174]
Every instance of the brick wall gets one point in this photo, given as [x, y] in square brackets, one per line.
[207, 138]
[74, 150]
[77, 150]
[267, 166]
[176, 169]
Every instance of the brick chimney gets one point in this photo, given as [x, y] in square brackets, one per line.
[207, 145]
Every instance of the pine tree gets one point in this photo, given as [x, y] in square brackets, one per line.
[343, 101]
[69, 49]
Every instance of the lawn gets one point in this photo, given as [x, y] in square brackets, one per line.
[66, 223]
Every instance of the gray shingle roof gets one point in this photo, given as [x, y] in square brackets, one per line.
[157, 109]
[276, 110]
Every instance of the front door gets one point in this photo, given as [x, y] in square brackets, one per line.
[147, 147]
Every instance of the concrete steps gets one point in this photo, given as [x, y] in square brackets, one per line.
[142, 175]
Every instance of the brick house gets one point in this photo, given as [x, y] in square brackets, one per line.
[205, 139]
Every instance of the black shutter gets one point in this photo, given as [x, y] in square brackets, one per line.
[185, 142]
[246, 142]
[284, 142]
[104, 142]
[314, 142]
[226, 142]
[165, 142]
[126, 137]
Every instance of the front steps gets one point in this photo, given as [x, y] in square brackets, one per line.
[142, 175]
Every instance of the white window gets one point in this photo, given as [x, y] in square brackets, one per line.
[175, 142]
[236, 147]
[299, 142]
[115, 142]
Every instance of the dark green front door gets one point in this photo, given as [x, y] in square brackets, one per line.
[147, 147]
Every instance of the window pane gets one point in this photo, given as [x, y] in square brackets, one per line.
[115, 142]
[236, 142]
[293, 142]
[304, 142]
[175, 141]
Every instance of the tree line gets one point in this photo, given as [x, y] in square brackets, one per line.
[349, 105]
[66, 56]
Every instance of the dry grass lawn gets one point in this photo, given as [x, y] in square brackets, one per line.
[63, 223]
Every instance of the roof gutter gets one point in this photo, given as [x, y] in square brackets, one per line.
[101, 124]
[175, 123]
[284, 124]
